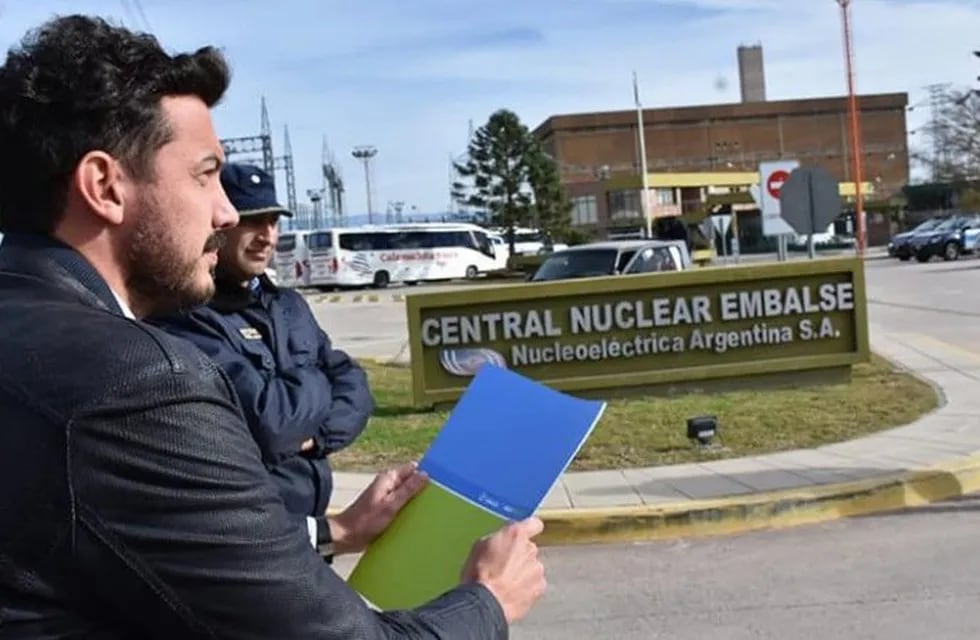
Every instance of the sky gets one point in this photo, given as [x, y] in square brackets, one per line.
[408, 76]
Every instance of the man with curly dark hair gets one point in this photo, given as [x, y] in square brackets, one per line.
[135, 502]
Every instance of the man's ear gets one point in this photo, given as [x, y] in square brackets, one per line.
[100, 182]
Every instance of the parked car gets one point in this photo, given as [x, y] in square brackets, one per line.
[617, 257]
[900, 244]
[956, 235]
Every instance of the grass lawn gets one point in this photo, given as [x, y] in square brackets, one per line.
[651, 431]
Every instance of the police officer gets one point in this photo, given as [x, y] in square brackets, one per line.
[302, 398]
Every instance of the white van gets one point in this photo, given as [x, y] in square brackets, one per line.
[529, 242]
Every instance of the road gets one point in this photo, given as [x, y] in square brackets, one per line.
[911, 575]
[941, 299]
[915, 575]
[899, 576]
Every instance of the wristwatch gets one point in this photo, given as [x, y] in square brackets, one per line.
[324, 543]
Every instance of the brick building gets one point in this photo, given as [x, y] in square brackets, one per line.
[699, 151]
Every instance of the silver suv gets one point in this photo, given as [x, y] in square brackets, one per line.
[619, 257]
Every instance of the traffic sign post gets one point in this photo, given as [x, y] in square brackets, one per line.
[774, 185]
[772, 176]
[810, 201]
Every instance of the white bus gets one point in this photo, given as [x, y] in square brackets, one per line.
[292, 259]
[410, 253]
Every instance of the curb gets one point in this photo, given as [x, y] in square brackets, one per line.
[358, 299]
[771, 510]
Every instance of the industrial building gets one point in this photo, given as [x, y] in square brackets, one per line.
[700, 154]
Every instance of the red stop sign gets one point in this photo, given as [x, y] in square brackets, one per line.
[776, 181]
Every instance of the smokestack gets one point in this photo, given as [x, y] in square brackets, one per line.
[751, 73]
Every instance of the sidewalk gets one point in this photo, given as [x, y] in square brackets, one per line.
[930, 459]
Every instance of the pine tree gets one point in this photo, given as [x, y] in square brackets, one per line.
[497, 173]
[551, 209]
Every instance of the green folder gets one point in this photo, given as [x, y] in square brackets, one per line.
[421, 555]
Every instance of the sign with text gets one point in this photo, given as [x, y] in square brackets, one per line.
[635, 331]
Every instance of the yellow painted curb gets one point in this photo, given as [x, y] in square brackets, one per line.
[357, 299]
[770, 510]
[758, 511]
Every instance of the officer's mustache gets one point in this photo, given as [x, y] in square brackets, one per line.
[215, 242]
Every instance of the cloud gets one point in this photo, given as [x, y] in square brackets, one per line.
[408, 77]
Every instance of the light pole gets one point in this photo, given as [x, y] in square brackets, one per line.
[644, 180]
[315, 196]
[858, 172]
[365, 153]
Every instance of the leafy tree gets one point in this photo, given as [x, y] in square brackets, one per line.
[969, 199]
[954, 133]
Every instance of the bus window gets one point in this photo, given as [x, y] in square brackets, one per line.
[320, 240]
[365, 241]
[483, 244]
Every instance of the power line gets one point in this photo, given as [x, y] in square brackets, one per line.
[128, 10]
[139, 9]
[136, 15]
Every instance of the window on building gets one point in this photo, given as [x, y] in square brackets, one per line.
[624, 204]
[585, 210]
[663, 196]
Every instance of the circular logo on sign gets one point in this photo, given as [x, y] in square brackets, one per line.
[466, 362]
[776, 181]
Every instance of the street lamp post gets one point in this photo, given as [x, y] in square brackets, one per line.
[644, 180]
[365, 153]
[857, 169]
[315, 196]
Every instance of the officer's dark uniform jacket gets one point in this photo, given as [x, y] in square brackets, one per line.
[292, 384]
[135, 503]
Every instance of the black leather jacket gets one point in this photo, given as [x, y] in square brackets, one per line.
[134, 502]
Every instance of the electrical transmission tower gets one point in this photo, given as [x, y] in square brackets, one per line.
[286, 161]
[261, 145]
[333, 182]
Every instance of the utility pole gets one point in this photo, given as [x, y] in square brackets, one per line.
[365, 153]
[858, 170]
[644, 180]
